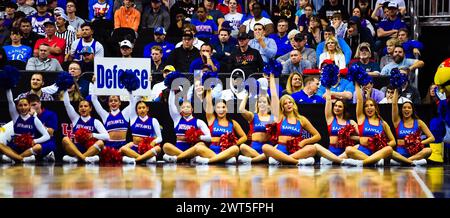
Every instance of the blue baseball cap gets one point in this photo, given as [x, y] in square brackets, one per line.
[160, 31]
[87, 50]
[41, 2]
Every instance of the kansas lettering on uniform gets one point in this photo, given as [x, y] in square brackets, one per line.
[371, 130]
[24, 126]
[292, 128]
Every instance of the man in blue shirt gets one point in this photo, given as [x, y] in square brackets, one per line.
[16, 51]
[342, 90]
[401, 62]
[308, 94]
[281, 38]
[388, 27]
[160, 36]
[266, 46]
[296, 63]
[205, 59]
[206, 28]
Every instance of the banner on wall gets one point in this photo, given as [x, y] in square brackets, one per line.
[107, 71]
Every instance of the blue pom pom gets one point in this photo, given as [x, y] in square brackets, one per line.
[273, 67]
[329, 76]
[398, 79]
[212, 83]
[171, 77]
[358, 74]
[9, 77]
[251, 83]
[129, 80]
[64, 81]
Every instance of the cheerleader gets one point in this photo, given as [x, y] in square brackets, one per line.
[407, 123]
[370, 125]
[182, 122]
[289, 126]
[142, 127]
[83, 120]
[335, 115]
[23, 123]
[220, 124]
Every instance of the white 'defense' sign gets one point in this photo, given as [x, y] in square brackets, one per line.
[107, 71]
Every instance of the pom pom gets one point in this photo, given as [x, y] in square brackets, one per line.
[329, 75]
[9, 77]
[64, 81]
[23, 141]
[344, 136]
[145, 145]
[272, 132]
[358, 74]
[171, 77]
[293, 144]
[192, 135]
[377, 142]
[129, 80]
[249, 84]
[273, 67]
[227, 140]
[110, 155]
[211, 82]
[398, 79]
[84, 137]
[413, 142]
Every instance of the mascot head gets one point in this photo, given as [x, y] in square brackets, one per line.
[442, 76]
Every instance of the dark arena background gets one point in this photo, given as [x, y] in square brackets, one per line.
[185, 183]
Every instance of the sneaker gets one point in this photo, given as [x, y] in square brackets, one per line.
[128, 160]
[70, 159]
[393, 162]
[231, 161]
[273, 161]
[306, 161]
[420, 162]
[380, 163]
[169, 158]
[193, 160]
[50, 157]
[92, 159]
[201, 160]
[352, 162]
[29, 159]
[151, 160]
[7, 159]
[324, 161]
[244, 159]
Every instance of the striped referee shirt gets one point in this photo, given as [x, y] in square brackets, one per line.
[69, 36]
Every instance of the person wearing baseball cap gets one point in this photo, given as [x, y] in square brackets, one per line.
[126, 48]
[379, 12]
[64, 30]
[364, 54]
[159, 87]
[160, 35]
[356, 33]
[57, 45]
[388, 28]
[155, 16]
[239, 57]
[127, 16]
[40, 18]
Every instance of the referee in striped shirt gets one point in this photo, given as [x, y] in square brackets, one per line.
[63, 32]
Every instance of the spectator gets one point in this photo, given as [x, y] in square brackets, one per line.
[176, 28]
[234, 17]
[126, 48]
[284, 10]
[308, 94]
[363, 21]
[36, 84]
[245, 57]
[43, 62]
[334, 53]
[329, 31]
[298, 41]
[266, 46]
[213, 13]
[81, 87]
[225, 7]
[10, 9]
[159, 87]
[431, 97]
[281, 38]
[157, 62]
[223, 49]
[364, 9]
[390, 45]
[343, 89]
[41, 17]
[303, 20]
[160, 36]
[363, 53]
[206, 28]
[412, 47]
[73, 19]
[26, 9]
[248, 25]
[408, 91]
[74, 93]
[400, 62]
[295, 63]
[182, 57]
[87, 62]
[315, 33]
[16, 51]
[187, 6]
[57, 45]
[86, 39]
[370, 92]
[205, 59]
[390, 94]
[100, 10]
[339, 26]
[197, 42]
[331, 7]
[29, 38]
[301, 9]
[388, 28]
[356, 34]
[63, 32]
[155, 16]
[127, 16]
[294, 83]
[379, 12]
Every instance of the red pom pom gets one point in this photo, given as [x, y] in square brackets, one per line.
[227, 140]
[192, 135]
[344, 136]
[293, 144]
[110, 155]
[145, 145]
[272, 132]
[84, 137]
[377, 142]
[413, 142]
[24, 141]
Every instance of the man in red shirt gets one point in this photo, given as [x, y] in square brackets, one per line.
[57, 44]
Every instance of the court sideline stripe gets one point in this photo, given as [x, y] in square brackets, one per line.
[422, 184]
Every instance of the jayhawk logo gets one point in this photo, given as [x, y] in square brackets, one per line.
[442, 76]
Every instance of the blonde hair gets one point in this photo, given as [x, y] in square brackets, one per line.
[333, 39]
[289, 88]
[295, 111]
[393, 41]
[268, 102]
[75, 95]
[363, 44]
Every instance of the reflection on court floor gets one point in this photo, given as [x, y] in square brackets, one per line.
[184, 181]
